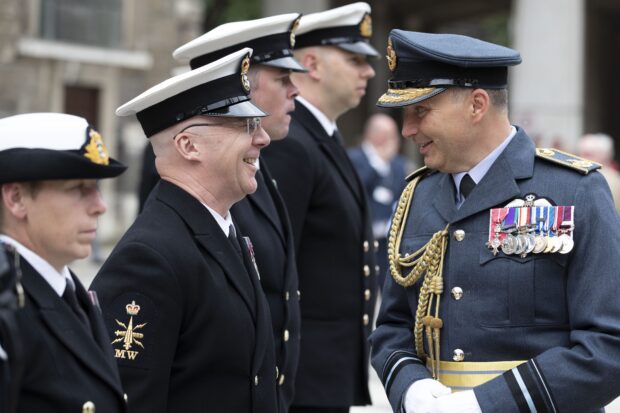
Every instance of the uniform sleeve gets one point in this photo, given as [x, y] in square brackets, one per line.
[582, 376]
[393, 354]
[293, 170]
[142, 306]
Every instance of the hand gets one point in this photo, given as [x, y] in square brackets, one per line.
[461, 402]
[422, 395]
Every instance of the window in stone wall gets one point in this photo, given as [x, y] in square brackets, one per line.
[89, 22]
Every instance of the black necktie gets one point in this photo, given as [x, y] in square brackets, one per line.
[71, 299]
[466, 186]
[338, 137]
[232, 237]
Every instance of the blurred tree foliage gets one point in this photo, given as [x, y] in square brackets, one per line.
[223, 11]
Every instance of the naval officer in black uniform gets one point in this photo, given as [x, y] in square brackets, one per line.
[262, 215]
[329, 212]
[189, 322]
[50, 204]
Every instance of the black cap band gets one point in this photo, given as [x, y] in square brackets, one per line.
[264, 49]
[221, 93]
[420, 74]
[330, 36]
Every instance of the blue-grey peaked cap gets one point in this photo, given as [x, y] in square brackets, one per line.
[425, 64]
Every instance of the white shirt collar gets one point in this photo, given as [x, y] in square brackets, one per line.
[327, 124]
[479, 171]
[57, 280]
[223, 222]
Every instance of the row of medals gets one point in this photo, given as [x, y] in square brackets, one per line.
[523, 243]
[524, 240]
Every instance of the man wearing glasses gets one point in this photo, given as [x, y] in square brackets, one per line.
[262, 215]
[188, 321]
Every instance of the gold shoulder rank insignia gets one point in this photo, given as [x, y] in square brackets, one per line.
[422, 171]
[129, 336]
[567, 159]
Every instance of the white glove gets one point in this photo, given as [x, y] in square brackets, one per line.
[461, 402]
[422, 395]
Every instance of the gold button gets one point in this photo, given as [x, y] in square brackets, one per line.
[367, 294]
[366, 270]
[377, 269]
[287, 296]
[88, 407]
[125, 397]
[366, 246]
[281, 381]
[457, 293]
[458, 355]
[365, 319]
[459, 235]
[286, 335]
[256, 380]
[376, 245]
[298, 295]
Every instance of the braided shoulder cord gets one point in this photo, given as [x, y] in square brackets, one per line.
[427, 261]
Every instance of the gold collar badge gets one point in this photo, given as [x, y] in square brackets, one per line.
[245, 67]
[391, 56]
[95, 150]
[129, 336]
[366, 26]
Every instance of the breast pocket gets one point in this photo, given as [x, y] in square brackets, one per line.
[519, 291]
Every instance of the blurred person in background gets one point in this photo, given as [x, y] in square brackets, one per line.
[599, 147]
[382, 171]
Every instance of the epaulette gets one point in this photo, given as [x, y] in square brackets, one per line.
[425, 170]
[567, 159]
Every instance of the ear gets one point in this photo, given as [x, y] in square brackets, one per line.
[185, 146]
[480, 102]
[311, 61]
[13, 195]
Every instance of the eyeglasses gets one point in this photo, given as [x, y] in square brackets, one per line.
[251, 125]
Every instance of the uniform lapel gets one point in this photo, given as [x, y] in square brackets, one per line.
[93, 311]
[334, 151]
[66, 326]
[264, 201]
[263, 320]
[208, 234]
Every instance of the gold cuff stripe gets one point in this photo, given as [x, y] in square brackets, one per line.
[467, 375]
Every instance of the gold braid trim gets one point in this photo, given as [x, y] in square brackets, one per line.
[429, 261]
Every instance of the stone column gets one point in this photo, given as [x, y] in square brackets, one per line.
[546, 90]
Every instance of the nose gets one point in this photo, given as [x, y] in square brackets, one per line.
[410, 125]
[292, 91]
[98, 206]
[260, 138]
[368, 72]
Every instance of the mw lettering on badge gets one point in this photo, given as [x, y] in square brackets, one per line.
[129, 336]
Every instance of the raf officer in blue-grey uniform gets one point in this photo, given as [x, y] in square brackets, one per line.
[503, 289]
[262, 215]
[329, 211]
[190, 324]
